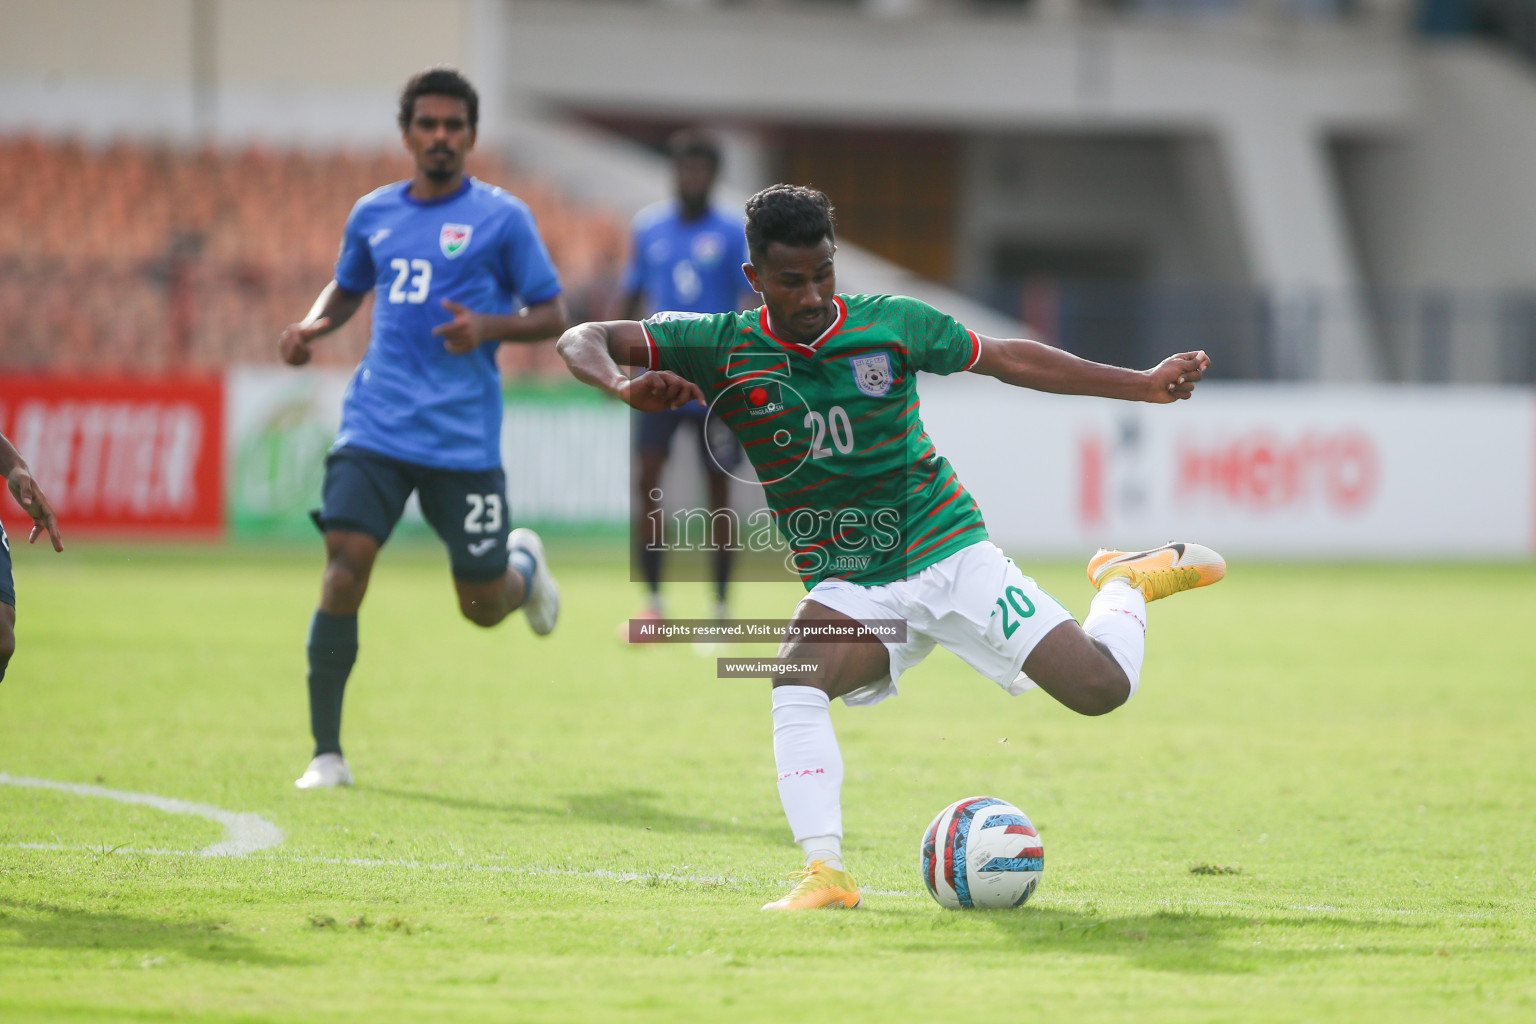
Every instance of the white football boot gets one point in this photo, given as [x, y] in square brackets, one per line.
[324, 771]
[542, 607]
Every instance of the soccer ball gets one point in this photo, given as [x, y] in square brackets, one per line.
[981, 852]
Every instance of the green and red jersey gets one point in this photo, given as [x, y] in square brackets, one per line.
[834, 429]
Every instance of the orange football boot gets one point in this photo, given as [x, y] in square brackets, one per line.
[821, 886]
[1160, 571]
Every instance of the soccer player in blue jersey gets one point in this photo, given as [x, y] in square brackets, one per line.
[458, 267]
[686, 255]
[18, 478]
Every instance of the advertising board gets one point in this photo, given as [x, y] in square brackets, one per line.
[121, 455]
[1267, 470]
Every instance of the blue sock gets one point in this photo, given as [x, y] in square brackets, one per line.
[332, 650]
[520, 561]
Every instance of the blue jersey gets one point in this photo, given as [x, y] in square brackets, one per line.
[692, 266]
[411, 398]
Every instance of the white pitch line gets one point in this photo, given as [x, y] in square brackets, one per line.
[249, 833]
[642, 876]
[414, 865]
[410, 865]
[243, 833]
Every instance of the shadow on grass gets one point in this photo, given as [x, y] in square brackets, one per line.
[48, 925]
[1195, 942]
[626, 808]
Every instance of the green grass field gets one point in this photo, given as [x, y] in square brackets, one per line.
[570, 830]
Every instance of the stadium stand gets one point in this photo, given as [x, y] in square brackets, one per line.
[141, 257]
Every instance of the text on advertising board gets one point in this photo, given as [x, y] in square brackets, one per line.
[122, 454]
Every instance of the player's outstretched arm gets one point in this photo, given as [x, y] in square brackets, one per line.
[596, 351]
[28, 495]
[468, 330]
[1030, 364]
[333, 308]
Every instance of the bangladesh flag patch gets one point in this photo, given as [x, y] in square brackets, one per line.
[763, 398]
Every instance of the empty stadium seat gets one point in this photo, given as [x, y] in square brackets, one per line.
[141, 257]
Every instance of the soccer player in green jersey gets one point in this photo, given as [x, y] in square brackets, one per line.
[18, 478]
[819, 389]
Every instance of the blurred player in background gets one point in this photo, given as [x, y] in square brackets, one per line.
[458, 267]
[18, 477]
[686, 254]
[880, 527]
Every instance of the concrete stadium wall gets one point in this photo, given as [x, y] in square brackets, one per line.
[1449, 203]
[320, 71]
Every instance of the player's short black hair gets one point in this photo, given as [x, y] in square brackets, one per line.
[687, 142]
[790, 215]
[439, 81]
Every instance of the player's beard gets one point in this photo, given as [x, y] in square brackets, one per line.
[810, 325]
[440, 172]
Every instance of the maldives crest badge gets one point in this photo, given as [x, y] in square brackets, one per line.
[872, 373]
[454, 238]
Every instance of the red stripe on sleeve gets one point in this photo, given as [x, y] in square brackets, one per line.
[652, 352]
[976, 355]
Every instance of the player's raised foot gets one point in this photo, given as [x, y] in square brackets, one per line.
[1160, 571]
[542, 607]
[821, 886]
[324, 771]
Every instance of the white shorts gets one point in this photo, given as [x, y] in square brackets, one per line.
[975, 603]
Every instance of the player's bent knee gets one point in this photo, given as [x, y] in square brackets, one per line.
[345, 582]
[1104, 691]
[480, 615]
[1078, 671]
[346, 574]
[482, 611]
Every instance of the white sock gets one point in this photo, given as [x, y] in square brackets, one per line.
[1118, 620]
[827, 848]
[810, 770]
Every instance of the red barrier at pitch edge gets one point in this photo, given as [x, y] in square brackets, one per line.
[121, 455]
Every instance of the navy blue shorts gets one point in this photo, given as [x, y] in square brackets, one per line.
[7, 581]
[719, 450]
[365, 492]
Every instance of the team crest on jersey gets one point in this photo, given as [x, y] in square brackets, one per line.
[708, 248]
[454, 238]
[872, 373]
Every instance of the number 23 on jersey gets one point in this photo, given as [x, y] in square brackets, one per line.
[413, 279]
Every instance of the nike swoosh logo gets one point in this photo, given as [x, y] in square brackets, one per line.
[480, 547]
